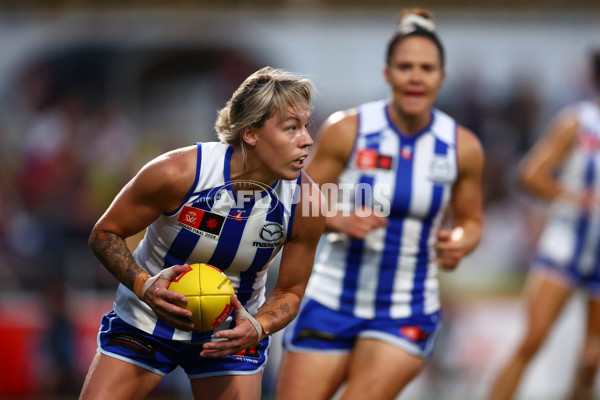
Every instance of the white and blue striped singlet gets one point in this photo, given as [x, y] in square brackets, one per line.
[571, 239]
[392, 273]
[238, 234]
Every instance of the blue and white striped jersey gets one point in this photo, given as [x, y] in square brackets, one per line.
[570, 240]
[392, 273]
[239, 233]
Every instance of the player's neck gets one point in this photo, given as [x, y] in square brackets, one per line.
[409, 124]
[247, 169]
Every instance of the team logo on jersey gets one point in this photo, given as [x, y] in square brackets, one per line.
[441, 170]
[370, 159]
[271, 233]
[406, 152]
[201, 222]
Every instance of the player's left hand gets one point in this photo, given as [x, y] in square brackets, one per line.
[242, 336]
[449, 248]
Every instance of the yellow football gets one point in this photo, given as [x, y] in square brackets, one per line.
[208, 291]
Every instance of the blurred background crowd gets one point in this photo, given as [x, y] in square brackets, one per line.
[90, 91]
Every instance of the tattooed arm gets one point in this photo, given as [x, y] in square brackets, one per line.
[159, 187]
[295, 268]
[113, 253]
[296, 262]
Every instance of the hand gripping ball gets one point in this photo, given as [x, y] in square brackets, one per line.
[208, 291]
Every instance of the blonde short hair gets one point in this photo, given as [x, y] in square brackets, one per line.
[266, 91]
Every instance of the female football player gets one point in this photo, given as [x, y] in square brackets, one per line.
[234, 205]
[568, 250]
[372, 310]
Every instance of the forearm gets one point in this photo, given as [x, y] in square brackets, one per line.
[113, 252]
[278, 311]
[541, 185]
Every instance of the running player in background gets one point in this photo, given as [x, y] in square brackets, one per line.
[241, 197]
[568, 252]
[372, 312]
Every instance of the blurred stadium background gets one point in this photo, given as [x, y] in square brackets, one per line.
[91, 90]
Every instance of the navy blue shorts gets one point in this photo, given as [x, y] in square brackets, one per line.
[570, 275]
[120, 340]
[319, 328]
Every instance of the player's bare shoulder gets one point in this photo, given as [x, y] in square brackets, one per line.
[566, 120]
[176, 165]
[335, 141]
[170, 176]
[342, 124]
[469, 150]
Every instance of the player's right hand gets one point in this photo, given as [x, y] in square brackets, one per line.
[449, 248]
[356, 226]
[162, 301]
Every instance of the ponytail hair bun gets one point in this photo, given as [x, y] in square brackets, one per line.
[415, 18]
[414, 22]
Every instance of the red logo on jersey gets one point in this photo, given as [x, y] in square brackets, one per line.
[191, 216]
[366, 159]
[414, 333]
[369, 159]
[200, 220]
[406, 153]
[211, 223]
[238, 215]
[589, 142]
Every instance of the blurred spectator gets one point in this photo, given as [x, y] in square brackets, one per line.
[57, 374]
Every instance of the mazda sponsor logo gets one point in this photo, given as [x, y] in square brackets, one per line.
[271, 232]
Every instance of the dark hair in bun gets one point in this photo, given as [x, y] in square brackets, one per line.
[415, 22]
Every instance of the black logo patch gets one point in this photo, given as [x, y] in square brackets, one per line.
[211, 223]
[384, 162]
[201, 222]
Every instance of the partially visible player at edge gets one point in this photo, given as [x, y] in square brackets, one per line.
[372, 312]
[264, 142]
[568, 253]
